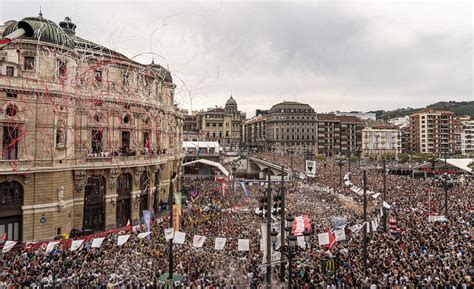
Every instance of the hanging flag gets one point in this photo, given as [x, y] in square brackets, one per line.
[147, 220]
[301, 242]
[179, 237]
[51, 246]
[332, 239]
[169, 234]
[340, 235]
[4, 236]
[219, 243]
[300, 224]
[143, 235]
[244, 187]
[97, 242]
[311, 168]
[198, 241]
[243, 245]
[8, 246]
[129, 226]
[122, 239]
[76, 244]
[323, 239]
[392, 224]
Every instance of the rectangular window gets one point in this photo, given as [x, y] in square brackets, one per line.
[146, 141]
[125, 80]
[10, 71]
[29, 63]
[98, 75]
[10, 143]
[12, 95]
[62, 69]
[96, 141]
[125, 142]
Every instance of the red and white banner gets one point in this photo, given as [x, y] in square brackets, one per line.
[301, 224]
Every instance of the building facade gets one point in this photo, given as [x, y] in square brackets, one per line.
[89, 136]
[435, 132]
[338, 135]
[467, 138]
[254, 133]
[223, 125]
[379, 139]
[291, 125]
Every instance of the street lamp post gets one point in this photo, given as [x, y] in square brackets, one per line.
[291, 248]
[445, 187]
[170, 242]
[340, 163]
[282, 218]
[365, 224]
[384, 194]
[269, 225]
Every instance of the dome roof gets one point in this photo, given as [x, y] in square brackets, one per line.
[44, 30]
[291, 105]
[231, 101]
[162, 72]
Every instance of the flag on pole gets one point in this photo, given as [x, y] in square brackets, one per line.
[97, 242]
[311, 168]
[143, 235]
[169, 234]
[219, 243]
[8, 246]
[179, 237]
[51, 246]
[76, 244]
[198, 241]
[243, 245]
[122, 239]
[4, 236]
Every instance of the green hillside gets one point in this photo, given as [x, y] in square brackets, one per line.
[457, 107]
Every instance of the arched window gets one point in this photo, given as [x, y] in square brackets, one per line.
[11, 201]
[124, 189]
[94, 203]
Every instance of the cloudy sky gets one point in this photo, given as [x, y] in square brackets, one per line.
[334, 55]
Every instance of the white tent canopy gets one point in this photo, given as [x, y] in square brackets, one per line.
[461, 164]
[210, 163]
[200, 144]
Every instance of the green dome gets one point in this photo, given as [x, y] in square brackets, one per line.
[44, 30]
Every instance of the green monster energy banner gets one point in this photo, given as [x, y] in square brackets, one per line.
[329, 268]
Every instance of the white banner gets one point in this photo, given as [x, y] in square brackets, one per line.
[143, 235]
[169, 234]
[51, 246]
[340, 235]
[8, 246]
[97, 242]
[219, 243]
[198, 241]
[179, 237]
[243, 245]
[436, 218]
[301, 242]
[122, 239]
[323, 239]
[385, 205]
[76, 244]
[311, 168]
[275, 255]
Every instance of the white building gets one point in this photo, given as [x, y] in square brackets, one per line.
[467, 138]
[378, 139]
[359, 114]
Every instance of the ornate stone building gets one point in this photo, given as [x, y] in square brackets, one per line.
[89, 136]
[223, 125]
[293, 125]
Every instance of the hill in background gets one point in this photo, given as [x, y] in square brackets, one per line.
[457, 107]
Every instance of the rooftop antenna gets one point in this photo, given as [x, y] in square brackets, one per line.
[152, 60]
[40, 13]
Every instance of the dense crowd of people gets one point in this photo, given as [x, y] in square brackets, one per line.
[422, 253]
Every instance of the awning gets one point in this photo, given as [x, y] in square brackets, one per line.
[210, 163]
